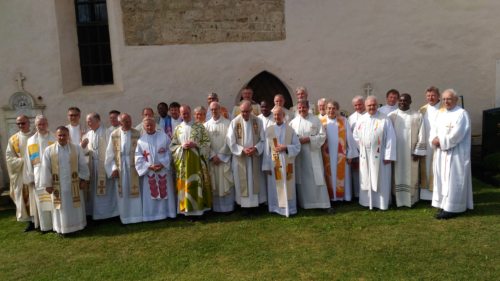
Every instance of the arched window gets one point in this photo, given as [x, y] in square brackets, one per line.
[265, 86]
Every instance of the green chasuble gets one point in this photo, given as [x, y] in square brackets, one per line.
[193, 182]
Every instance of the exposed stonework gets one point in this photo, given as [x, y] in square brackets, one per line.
[164, 22]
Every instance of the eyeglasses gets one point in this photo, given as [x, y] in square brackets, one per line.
[21, 123]
[73, 115]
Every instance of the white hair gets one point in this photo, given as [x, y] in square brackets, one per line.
[452, 92]
[356, 98]
[40, 117]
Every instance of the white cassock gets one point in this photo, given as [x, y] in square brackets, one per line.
[18, 175]
[101, 196]
[284, 201]
[110, 129]
[410, 140]
[386, 109]
[353, 119]
[311, 186]
[142, 131]
[294, 112]
[332, 138]
[75, 133]
[377, 142]
[157, 188]
[239, 137]
[266, 121]
[129, 204]
[221, 176]
[68, 218]
[452, 165]
[175, 123]
[42, 211]
[429, 114]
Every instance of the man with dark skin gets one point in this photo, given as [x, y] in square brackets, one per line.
[410, 144]
[266, 116]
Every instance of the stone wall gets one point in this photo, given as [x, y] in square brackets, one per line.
[165, 22]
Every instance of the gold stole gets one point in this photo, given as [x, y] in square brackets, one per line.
[14, 141]
[242, 170]
[101, 174]
[75, 184]
[134, 177]
[283, 195]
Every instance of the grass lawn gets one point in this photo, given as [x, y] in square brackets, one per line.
[353, 244]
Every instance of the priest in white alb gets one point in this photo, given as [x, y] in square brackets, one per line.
[266, 116]
[153, 164]
[245, 138]
[41, 208]
[120, 166]
[76, 131]
[411, 144]
[246, 94]
[451, 139]
[358, 103]
[219, 164]
[391, 98]
[377, 149]
[15, 155]
[64, 173]
[312, 192]
[282, 146]
[100, 197]
[429, 113]
[338, 152]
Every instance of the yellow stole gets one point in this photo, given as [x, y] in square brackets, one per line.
[75, 183]
[34, 157]
[14, 141]
[288, 194]
[242, 170]
[134, 177]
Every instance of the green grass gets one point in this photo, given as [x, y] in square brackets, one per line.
[353, 244]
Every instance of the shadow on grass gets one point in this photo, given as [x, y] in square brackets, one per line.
[486, 203]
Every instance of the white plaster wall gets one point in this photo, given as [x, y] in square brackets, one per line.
[332, 47]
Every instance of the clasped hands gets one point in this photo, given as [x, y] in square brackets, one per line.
[156, 167]
[189, 145]
[249, 151]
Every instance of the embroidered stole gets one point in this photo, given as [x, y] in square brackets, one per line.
[117, 147]
[281, 183]
[241, 163]
[341, 158]
[101, 174]
[15, 142]
[370, 147]
[75, 183]
[34, 157]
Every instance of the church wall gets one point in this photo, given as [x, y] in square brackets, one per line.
[331, 47]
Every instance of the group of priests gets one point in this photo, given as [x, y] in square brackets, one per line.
[192, 161]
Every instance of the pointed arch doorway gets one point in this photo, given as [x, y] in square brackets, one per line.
[265, 86]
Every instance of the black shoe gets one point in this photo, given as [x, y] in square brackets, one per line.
[438, 214]
[330, 211]
[446, 215]
[245, 212]
[30, 227]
